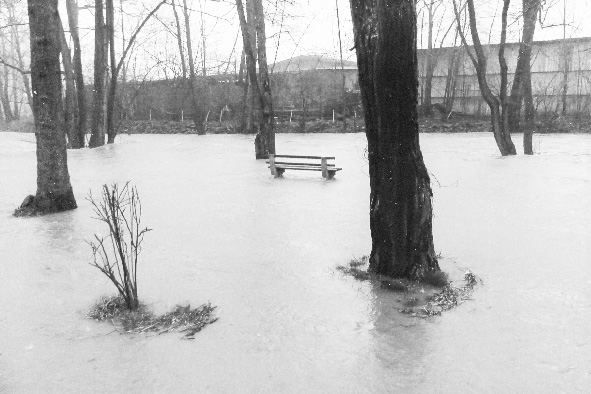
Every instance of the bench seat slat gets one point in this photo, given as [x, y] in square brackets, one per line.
[305, 157]
[279, 163]
[310, 168]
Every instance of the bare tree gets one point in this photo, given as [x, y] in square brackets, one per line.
[343, 85]
[179, 37]
[99, 102]
[265, 137]
[117, 65]
[72, 10]
[71, 104]
[521, 88]
[54, 191]
[400, 190]
[498, 106]
[198, 107]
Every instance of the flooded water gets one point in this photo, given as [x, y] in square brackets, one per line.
[265, 251]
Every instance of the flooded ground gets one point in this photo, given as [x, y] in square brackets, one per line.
[265, 252]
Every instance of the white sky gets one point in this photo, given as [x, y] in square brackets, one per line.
[310, 27]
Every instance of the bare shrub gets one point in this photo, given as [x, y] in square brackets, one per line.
[116, 255]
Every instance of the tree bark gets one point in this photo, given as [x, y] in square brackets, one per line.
[400, 191]
[97, 137]
[71, 105]
[54, 191]
[72, 9]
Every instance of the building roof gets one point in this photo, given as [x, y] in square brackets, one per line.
[311, 62]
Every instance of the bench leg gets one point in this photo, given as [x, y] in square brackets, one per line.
[330, 174]
[279, 172]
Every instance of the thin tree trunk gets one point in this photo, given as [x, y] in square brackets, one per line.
[116, 66]
[265, 138]
[198, 112]
[530, 111]
[54, 191]
[97, 137]
[111, 95]
[16, 43]
[522, 79]
[71, 110]
[253, 108]
[179, 36]
[343, 86]
[400, 191]
[498, 116]
[72, 9]
[4, 96]
[429, 68]
[243, 79]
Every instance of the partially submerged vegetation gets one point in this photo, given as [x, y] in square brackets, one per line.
[431, 296]
[116, 256]
[181, 319]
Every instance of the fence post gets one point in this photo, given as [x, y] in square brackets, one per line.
[150, 114]
[333, 116]
[182, 115]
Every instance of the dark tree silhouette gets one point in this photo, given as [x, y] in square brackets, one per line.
[54, 191]
[400, 190]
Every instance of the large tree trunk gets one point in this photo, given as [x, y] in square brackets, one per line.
[400, 197]
[72, 9]
[54, 191]
[71, 110]
[98, 126]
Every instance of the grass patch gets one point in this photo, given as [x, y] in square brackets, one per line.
[428, 297]
[449, 298]
[180, 319]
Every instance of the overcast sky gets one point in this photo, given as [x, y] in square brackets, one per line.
[309, 27]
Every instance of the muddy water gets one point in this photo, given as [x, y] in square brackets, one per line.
[264, 251]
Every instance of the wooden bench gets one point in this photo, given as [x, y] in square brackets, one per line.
[278, 164]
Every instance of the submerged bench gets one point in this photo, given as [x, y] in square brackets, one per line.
[279, 163]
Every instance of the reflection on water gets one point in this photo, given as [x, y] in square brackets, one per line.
[264, 251]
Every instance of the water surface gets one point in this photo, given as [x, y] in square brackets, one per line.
[264, 251]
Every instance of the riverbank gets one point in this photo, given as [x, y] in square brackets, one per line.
[549, 124]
